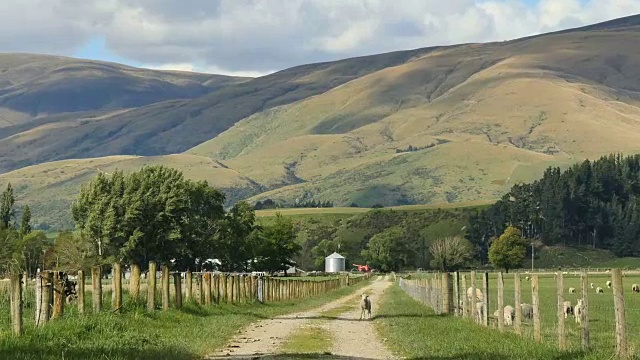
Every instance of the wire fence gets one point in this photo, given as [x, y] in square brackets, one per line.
[575, 310]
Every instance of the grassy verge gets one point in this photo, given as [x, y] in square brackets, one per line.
[188, 333]
[412, 330]
[310, 339]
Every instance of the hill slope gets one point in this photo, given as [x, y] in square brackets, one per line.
[444, 124]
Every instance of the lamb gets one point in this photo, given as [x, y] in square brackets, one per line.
[592, 286]
[609, 284]
[572, 290]
[479, 311]
[526, 278]
[578, 310]
[599, 290]
[509, 315]
[635, 288]
[527, 311]
[479, 296]
[365, 306]
[567, 309]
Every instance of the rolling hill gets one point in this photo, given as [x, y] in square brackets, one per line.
[434, 125]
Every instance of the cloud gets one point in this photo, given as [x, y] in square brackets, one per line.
[260, 36]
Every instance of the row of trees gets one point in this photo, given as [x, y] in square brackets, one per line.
[594, 203]
[270, 204]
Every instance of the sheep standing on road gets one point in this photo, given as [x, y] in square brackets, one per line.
[578, 311]
[635, 288]
[527, 311]
[609, 284]
[567, 309]
[599, 290]
[365, 306]
[572, 290]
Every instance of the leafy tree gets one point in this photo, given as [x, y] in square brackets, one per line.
[30, 249]
[6, 207]
[450, 253]
[322, 250]
[387, 250]
[234, 243]
[8, 242]
[276, 245]
[25, 222]
[508, 251]
[73, 251]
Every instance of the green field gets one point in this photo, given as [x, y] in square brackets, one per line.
[601, 310]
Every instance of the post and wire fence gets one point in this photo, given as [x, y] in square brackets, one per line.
[574, 310]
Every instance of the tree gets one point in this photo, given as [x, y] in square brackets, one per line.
[73, 251]
[508, 251]
[233, 245]
[276, 245]
[6, 207]
[387, 250]
[30, 250]
[8, 242]
[25, 222]
[450, 253]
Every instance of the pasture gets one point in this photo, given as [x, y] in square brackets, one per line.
[601, 310]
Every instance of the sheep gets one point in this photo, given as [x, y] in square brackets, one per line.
[479, 296]
[572, 290]
[365, 306]
[609, 284]
[578, 311]
[592, 286]
[527, 311]
[509, 315]
[635, 288]
[599, 290]
[567, 309]
[526, 278]
[480, 311]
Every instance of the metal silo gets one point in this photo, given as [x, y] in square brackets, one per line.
[334, 263]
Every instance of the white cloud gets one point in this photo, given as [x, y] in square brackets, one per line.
[259, 36]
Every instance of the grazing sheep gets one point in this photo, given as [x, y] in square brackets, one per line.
[572, 290]
[526, 278]
[567, 309]
[609, 284]
[635, 288]
[527, 311]
[479, 296]
[509, 315]
[599, 290]
[365, 306]
[592, 286]
[479, 311]
[578, 311]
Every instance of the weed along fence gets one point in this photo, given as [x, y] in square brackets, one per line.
[52, 294]
[576, 311]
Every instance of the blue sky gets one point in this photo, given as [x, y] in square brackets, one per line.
[251, 38]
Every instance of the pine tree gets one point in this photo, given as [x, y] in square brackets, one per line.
[6, 207]
[25, 222]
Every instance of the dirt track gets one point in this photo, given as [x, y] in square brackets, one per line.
[352, 339]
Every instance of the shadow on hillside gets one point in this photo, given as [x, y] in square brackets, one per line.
[462, 356]
[51, 352]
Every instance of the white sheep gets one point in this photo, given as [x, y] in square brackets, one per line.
[526, 278]
[578, 311]
[592, 286]
[572, 290]
[567, 309]
[609, 284]
[365, 306]
[527, 311]
[479, 296]
[635, 288]
[599, 290]
[479, 311]
[509, 315]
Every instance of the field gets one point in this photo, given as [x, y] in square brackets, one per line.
[601, 310]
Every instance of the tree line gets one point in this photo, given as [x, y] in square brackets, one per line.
[271, 204]
[593, 203]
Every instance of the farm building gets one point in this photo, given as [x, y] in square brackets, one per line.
[334, 263]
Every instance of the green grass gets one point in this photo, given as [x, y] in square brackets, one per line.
[310, 339]
[188, 333]
[413, 330]
[552, 257]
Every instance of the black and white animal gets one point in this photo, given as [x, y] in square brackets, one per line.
[365, 306]
[635, 288]
[568, 309]
[609, 284]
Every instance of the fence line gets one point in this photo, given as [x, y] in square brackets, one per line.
[573, 311]
[55, 290]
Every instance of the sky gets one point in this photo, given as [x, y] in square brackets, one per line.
[257, 37]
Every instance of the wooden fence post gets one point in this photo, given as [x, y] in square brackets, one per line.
[485, 299]
[117, 287]
[517, 301]
[177, 285]
[562, 335]
[500, 301]
[58, 295]
[25, 282]
[535, 303]
[200, 288]
[165, 287]
[618, 298]
[189, 285]
[96, 288]
[225, 287]
[585, 311]
[134, 283]
[446, 295]
[43, 293]
[16, 304]
[456, 286]
[474, 297]
[232, 286]
[207, 288]
[151, 286]
[465, 297]
[80, 291]
[215, 284]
